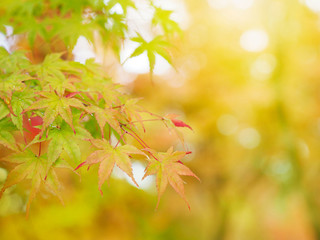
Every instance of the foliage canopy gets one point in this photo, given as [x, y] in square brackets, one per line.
[50, 104]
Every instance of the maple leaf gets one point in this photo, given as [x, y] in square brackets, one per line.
[29, 125]
[14, 62]
[103, 116]
[155, 46]
[33, 167]
[52, 66]
[123, 3]
[131, 111]
[162, 17]
[177, 122]
[20, 101]
[167, 167]
[6, 137]
[12, 82]
[55, 105]
[62, 138]
[4, 110]
[108, 156]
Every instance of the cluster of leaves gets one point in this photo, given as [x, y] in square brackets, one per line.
[48, 108]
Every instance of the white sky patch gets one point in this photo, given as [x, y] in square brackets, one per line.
[140, 20]
[4, 42]
[140, 64]
[138, 173]
[249, 138]
[227, 124]
[116, 9]
[313, 5]
[83, 50]
[254, 40]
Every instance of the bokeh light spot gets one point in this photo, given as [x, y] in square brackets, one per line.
[249, 138]
[218, 4]
[254, 40]
[227, 124]
[263, 67]
[242, 4]
[3, 175]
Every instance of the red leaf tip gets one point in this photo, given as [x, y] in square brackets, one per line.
[179, 123]
[80, 165]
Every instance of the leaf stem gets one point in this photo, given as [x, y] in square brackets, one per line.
[119, 139]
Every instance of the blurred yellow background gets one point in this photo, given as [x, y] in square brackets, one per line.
[248, 82]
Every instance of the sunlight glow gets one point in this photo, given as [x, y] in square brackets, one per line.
[227, 124]
[242, 4]
[3, 175]
[263, 67]
[140, 64]
[179, 14]
[116, 9]
[4, 42]
[239, 4]
[82, 51]
[313, 5]
[218, 4]
[138, 173]
[254, 40]
[249, 138]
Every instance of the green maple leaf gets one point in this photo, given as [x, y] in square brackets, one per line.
[19, 102]
[14, 62]
[33, 167]
[103, 116]
[12, 82]
[6, 137]
[124, 4]
[162, 17]
[108, 157]
[51, 73]
[55, 105]
[4, 110]
[133, 111]
[168, 167]
[155, 46]
[63, 138]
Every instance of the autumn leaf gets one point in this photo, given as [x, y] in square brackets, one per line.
[30, 127]
[19, 102]
[103, 116]
[4, 110]
[177, 122]
[133, 111]
[33, 167]
[55, 105]
[167, 167]
[108, 157]
[6, 137]
[63, 138]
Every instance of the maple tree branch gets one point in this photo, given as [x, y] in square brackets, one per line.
[146, 120]
[119, 139]
[134, 137]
